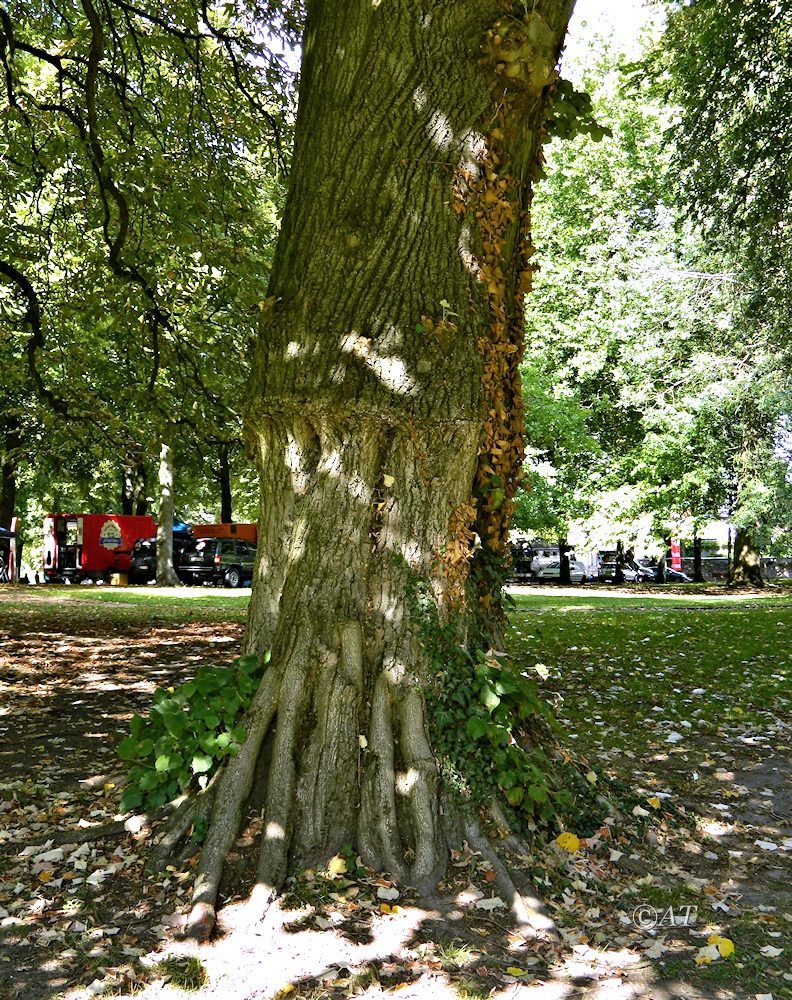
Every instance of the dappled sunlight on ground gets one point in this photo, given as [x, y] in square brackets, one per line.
[688, 707]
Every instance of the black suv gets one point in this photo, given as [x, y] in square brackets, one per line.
[143, 558]
[217, 560]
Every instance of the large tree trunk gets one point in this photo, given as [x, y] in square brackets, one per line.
[166, 575]
[746, 567]
[385, 414]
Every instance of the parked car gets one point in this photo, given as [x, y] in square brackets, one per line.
[552, 571]
[226, 561]
[671, 575]
[632, 574]
[143, 559]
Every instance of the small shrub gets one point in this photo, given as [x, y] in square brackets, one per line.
[188, 732]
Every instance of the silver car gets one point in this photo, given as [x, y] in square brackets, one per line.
[552, 571]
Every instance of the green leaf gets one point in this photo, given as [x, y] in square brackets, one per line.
[489, 698]
[131, 799]
[537, 793]
[162, 763]
[149, 780]
[129, 748]
[247, 664]
[476, 727]
[201, 763]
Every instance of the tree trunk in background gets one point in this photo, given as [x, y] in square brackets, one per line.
[9, 463]
[386, 415]
[661, 569]
[746, 566]
[563, 552]
[698, 572]
[133, 488]
[618, 576]
[166, 575]
[224, 475]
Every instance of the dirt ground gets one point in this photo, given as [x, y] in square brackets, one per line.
[79, 917]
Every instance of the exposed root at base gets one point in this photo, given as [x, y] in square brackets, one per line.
[190, 811]
[533, 920]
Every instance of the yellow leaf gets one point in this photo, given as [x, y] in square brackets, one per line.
[591, 777]
[45, 876]
[337, 865]
[726, 947]
[388, 481]
[654, 802]
[515, 972]
[385, 908]
[568, 842]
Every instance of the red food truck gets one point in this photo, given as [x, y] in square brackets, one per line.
[91, 546]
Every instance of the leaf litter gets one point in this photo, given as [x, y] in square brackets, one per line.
[83, 916]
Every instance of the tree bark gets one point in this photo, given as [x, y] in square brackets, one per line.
[133, 487]
[618, 575]
[166, 575]
[564, 569]
[224, 477]
[9, 463]
[747, 565]
[698, 572]
[386, 419]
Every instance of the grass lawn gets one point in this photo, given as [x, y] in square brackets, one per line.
[126, 604]
[628, 671]
[686, 698]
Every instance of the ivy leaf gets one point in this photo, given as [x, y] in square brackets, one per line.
[201, 763]
[476, 727]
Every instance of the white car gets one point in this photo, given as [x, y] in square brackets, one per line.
[552, 571]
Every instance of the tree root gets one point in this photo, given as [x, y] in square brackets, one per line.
[231, 792]
[191, 809]
[533, 921]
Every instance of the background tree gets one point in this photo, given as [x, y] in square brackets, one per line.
[648, 328]
[143, 212]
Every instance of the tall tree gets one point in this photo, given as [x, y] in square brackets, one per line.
[385, 410]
